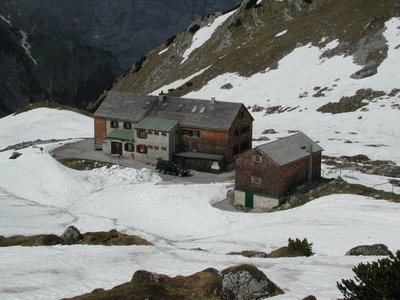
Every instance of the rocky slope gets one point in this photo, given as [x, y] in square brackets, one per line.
[238, 282]
[83, 46]
[260, 33]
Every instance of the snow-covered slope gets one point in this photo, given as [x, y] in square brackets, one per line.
[44, 124]
[38, 195]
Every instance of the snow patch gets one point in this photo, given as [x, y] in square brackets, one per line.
[6, 20]
[162, 51]
[204, 34]
[26, 45]
[178, 82]
[281, 33]
[129, 175]
[44, 124]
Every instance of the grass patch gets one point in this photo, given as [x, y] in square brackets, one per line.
[338, 186]
[83, 164]
[352, 103]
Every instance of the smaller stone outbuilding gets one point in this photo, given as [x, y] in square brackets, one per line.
[268, 172]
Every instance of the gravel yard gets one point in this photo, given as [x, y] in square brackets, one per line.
[84, 149]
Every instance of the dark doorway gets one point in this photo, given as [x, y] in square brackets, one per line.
[116, 148]
[249, 198]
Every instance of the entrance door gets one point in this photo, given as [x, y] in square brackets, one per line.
[249, 198]
[116, 148]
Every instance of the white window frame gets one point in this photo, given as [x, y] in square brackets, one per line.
[257, 159]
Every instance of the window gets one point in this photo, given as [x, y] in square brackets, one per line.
[164, 148]
[150, 147]
[194, 133]
[142, 134]
[114, 124]
[202, 109]
[150, 132]
[127, 125]
[146, 105]
[256, 179]
[236, 133]
[235, 150]
[156, 148]
[257, 159]
[156, 133]
[141, 148]
[179, 108]
[244, 129]
[163, 134]
[241, 114]
[194, 109]
[244, 146]
[129, 147]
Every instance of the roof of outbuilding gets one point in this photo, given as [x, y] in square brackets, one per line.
[289, 149]
[159, 124]
[135, 107]
[121, 134]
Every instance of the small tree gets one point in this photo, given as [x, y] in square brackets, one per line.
[376, 280]
[303, 246]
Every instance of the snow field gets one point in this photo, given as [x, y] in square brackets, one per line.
[38, 195]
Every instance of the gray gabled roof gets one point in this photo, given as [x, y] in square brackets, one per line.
[158, 124]
[135, 107]
[290, 149]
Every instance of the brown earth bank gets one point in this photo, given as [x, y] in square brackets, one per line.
[284, 251]
[238, 282]
[110, 238]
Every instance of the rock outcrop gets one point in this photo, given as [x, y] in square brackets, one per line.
[69, 51]
[244, 282]
[376, 249]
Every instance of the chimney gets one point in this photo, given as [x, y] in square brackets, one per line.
[212, 100]
[162, 96]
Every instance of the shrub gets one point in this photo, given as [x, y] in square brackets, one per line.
[194, 28]
[303, 246]
[376, 280]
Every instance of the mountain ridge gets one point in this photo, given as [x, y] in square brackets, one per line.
[78, 48]
[248, 44]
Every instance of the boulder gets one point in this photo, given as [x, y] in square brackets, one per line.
[246, 282]
[269, 131]
[72, 235]
[376, 249]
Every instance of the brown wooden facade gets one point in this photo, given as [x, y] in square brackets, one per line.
[100, 131]
[229, 143]
[267, 178]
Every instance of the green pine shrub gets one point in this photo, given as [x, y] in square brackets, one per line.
[302, 246]
[376, 280]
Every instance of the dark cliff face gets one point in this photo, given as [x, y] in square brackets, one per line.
[17, 77]
[84, 45]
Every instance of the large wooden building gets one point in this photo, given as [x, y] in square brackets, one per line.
[268, 172]
[200, 134]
